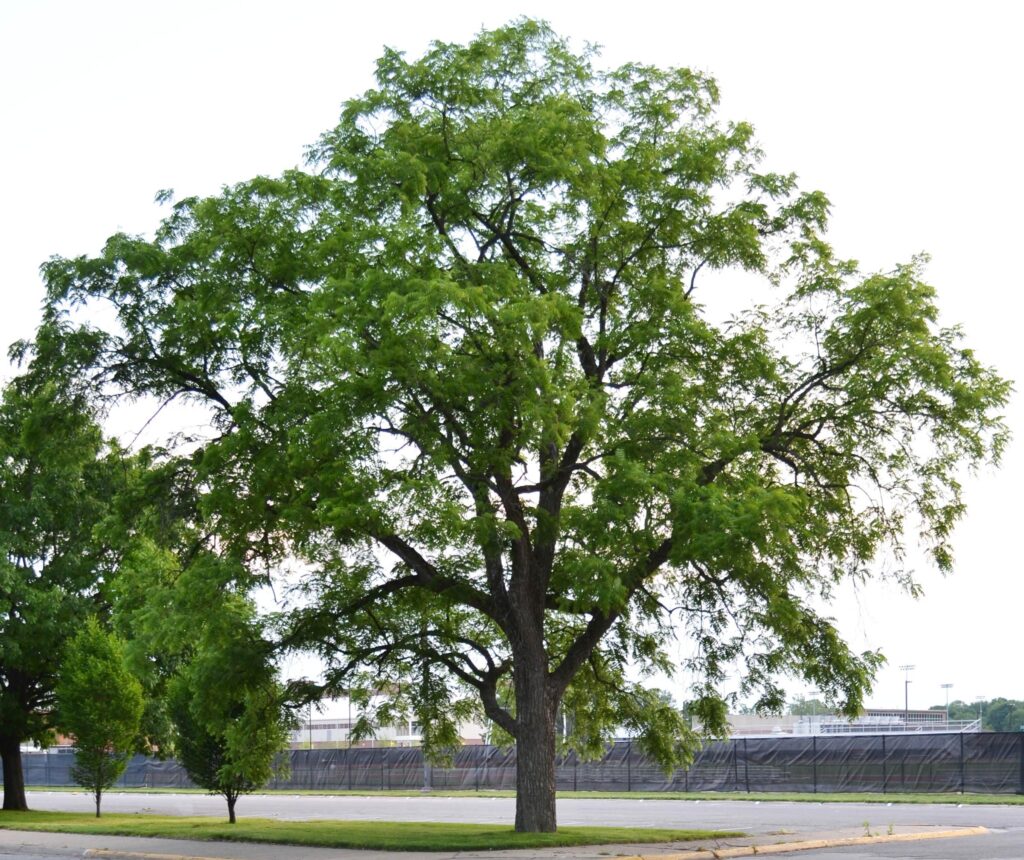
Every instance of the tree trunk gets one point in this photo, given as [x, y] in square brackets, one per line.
[535, 751]
[99, 795]
[231, 808]
[14, 776]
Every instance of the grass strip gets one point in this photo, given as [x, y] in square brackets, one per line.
[763, 796]
[371, 835]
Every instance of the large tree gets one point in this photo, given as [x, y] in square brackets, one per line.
[57, 478]
[462, 370]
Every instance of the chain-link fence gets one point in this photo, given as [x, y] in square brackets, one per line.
[985, 762]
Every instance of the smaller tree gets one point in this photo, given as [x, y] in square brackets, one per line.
[100, 704]
[225, 700]
[226, 739]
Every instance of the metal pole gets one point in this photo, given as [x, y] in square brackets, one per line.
[814, 761]
[629, 767]
[746, 766]
[735, 765]
[946, 688]
[907, 668]
[885, 775]
[1020, 745]
[961, 762]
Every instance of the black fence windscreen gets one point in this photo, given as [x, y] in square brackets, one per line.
[981, 763]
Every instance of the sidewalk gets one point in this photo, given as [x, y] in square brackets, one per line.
[60, 845]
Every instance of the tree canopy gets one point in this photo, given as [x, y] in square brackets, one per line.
[57, 478]
[468, 371]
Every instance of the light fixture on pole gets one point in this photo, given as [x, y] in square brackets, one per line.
[979, 700]
[907, 668]
[946, 688]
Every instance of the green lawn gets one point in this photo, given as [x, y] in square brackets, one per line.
[767, 796]
[374, 835]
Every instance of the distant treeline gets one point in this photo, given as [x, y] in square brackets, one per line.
[997, 715]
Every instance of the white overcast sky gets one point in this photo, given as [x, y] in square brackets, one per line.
[908, 115]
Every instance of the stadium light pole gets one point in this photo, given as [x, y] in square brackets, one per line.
[946, 688]
[979, 700]
[907, 668]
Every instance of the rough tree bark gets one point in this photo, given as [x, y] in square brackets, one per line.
[535, 753]
[14, 775]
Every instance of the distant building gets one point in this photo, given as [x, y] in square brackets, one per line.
[873, 721]
[335, 733]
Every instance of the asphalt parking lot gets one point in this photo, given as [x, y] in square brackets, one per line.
[751, 816]
[766, 821]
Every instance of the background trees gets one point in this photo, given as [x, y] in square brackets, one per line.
[997, 715]
[463, 373]
[57, 478]
[100, 704]
[200, 644]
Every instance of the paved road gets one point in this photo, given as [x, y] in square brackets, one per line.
[1008, 845]
[750, 816]
[55, 846]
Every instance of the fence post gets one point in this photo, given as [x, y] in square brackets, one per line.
[746, 766]
[382, 751]
[885, 775]
[962, 780]
[576, 767]
[1020, 746]
[814, 761]
[735, 765]
[629, 768]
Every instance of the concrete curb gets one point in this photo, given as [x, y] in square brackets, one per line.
[807, 845]
[113, 854]
[698, 854]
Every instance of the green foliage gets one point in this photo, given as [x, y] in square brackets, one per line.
[226, 738]
[204, 647]
[100, 705]
[461, 373]
[1004, 715]
[52, 488]
[58, 479]
[997, 715]
[803, 707]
